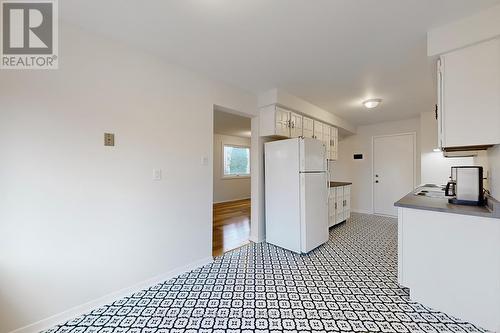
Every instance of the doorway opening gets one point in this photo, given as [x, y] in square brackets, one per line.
[231, 181]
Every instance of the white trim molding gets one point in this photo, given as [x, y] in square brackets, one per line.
[237, 199]
[82, 309]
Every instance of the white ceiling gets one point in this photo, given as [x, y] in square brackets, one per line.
[333, 53]
[231, 124]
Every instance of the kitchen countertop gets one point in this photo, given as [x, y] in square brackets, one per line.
[337, 184]
[441, 205]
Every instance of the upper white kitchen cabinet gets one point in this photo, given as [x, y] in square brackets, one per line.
[295, 125]
[327, 132]
[330, 139]
[469, 96]
[334, 143]
[318, 130]
[276, 121]
[307, 127]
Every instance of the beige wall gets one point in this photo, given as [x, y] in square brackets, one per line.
[494, 171]
[228, 189]
[435, 167]
[80, 221]
[359, 172]
[432, 167]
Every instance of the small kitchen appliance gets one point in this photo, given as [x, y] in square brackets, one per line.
[466, 186]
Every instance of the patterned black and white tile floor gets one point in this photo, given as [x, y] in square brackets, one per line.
[348, 285]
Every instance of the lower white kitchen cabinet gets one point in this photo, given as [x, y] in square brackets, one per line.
[451, 262]
[339, 203]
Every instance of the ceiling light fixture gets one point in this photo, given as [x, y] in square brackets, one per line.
[372, 103]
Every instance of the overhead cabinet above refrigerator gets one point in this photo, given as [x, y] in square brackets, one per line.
[281, 123]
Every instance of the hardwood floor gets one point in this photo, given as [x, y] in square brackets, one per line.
[231, 226]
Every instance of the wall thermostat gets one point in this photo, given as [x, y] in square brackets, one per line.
[358, 156]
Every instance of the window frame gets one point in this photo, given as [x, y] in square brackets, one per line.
[240, 176]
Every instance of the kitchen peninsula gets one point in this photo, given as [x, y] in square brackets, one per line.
[449, 256]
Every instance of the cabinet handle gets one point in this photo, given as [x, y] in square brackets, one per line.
[335, 205]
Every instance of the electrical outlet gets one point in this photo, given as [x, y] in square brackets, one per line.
[109, 139]
[157, 174]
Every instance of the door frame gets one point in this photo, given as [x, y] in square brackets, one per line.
[414, 135]
[255, 195]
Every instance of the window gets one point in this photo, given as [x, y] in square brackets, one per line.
[236, 161]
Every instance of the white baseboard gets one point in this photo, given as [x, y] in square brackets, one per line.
[223, 201]
[255, 239]
[362, 211]
[385, 215]
[79, 310]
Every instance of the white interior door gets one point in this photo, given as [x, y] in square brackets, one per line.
[393, 171]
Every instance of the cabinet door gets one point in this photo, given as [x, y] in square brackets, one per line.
[470, 98]
[439, 107]
[334, 143]
[318, 130]
[340, 205]
[295, 125]
[332, 199]
[347, 202]
[307, 127]
[327, 139]
[282, 119]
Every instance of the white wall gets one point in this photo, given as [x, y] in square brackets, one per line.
[359, 172]
[228, 189]
[435, 168]
[464, 32]
[79, 220]
[494, 171]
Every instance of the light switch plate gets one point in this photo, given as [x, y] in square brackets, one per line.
[109, 139]
[204, 160]
[157, 174]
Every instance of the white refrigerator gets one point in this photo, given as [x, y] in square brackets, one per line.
[296, 194]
